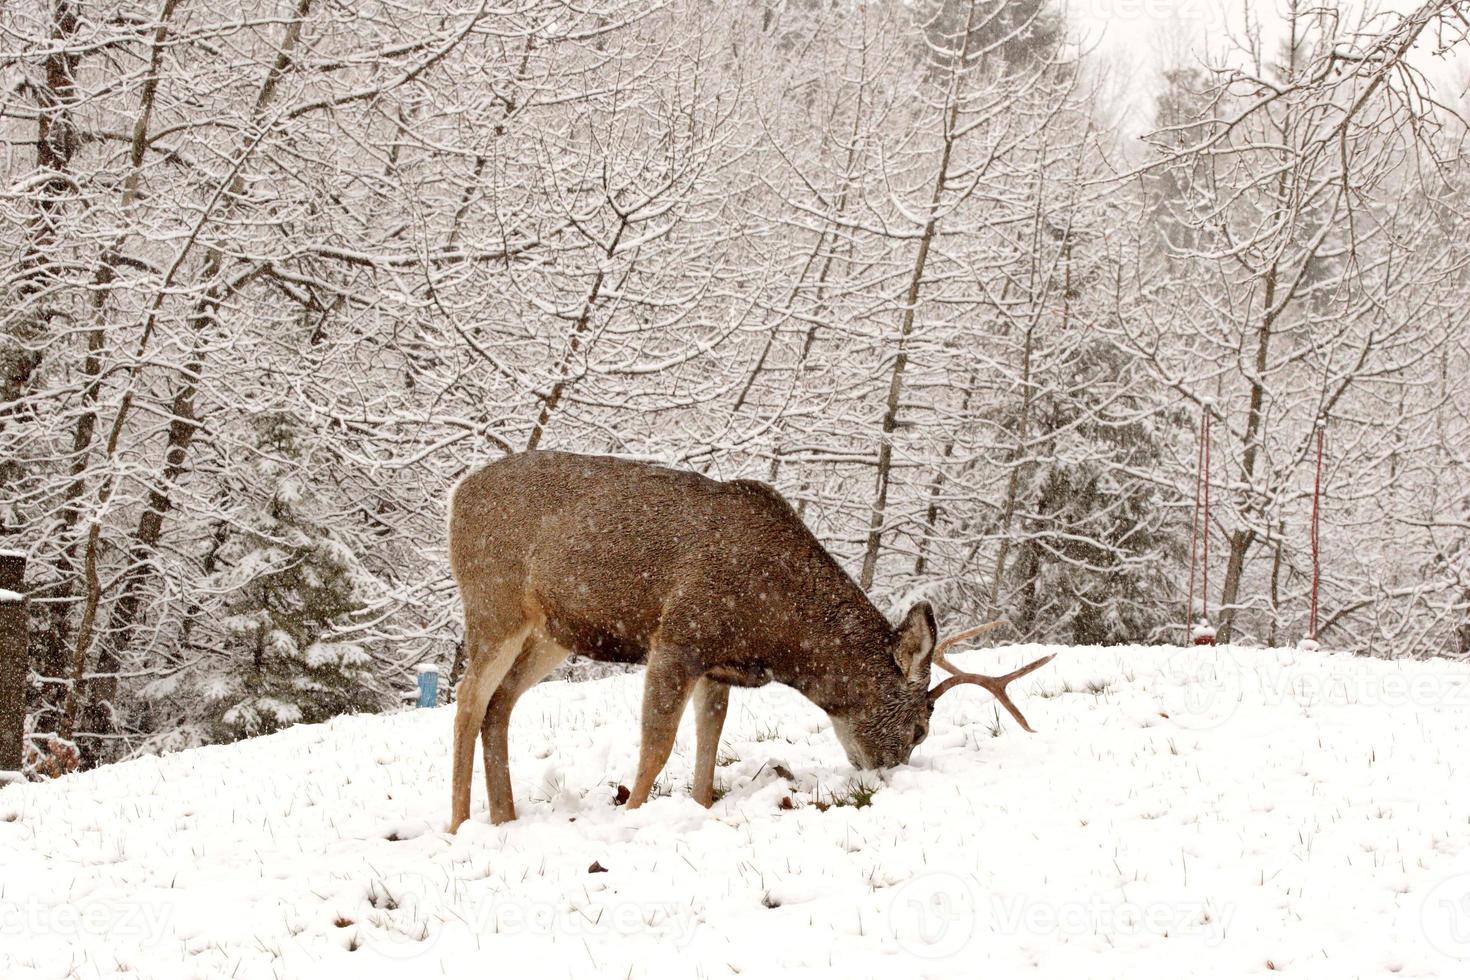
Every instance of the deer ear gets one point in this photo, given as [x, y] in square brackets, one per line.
[917, 635]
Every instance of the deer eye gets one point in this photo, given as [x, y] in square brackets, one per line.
[921, 730]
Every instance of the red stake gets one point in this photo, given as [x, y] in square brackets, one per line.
[1206, 636]
[1199, 464]
[1316, 550]
[1205, 556]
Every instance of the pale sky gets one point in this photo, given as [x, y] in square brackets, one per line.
[1137, 38]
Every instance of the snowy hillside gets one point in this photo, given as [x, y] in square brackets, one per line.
[1222, 813]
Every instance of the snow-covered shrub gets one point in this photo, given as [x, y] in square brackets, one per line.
[290, 587]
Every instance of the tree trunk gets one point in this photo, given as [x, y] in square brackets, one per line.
[98, 716]
[950, 118]
[1276, 587]
[13, 663]
[1243, 537]
[96, 699]
[54, 642]
[574, 343]
[936, 487]
[56, 143]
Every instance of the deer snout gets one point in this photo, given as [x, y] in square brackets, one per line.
[868, 753]
[847, 738]
[890, 758]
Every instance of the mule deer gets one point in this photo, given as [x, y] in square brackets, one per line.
[709, 583]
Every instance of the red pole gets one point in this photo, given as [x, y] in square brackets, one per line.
[1205, 636]
[1205, 557]
[1199, 463]
[1316, 549]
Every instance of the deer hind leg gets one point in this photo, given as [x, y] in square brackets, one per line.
[488, 663]
[711, 701]
[540, 657]
[666, 688]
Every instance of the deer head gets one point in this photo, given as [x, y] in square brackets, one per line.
[891, 716]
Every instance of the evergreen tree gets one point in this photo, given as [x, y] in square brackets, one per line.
[1097, 548]
[290, 584]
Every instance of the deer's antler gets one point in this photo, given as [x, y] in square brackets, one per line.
[995, 685]
[960, 637]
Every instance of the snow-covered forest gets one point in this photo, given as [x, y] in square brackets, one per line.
[277, 274]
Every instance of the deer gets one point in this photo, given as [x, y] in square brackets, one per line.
[709, 584]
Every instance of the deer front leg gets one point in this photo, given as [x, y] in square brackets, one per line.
[666, 687]
[711, 701]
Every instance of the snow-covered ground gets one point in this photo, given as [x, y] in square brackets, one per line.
[1201, 813]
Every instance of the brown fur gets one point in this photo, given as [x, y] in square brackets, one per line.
[709, 583]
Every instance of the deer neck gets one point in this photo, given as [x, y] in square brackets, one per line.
[836, 672]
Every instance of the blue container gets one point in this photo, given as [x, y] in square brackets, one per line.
[428, 686]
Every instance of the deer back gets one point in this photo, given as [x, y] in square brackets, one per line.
[612, 551]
